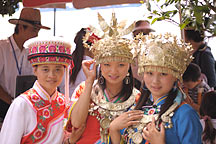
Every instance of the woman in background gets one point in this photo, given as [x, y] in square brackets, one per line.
[81, 53]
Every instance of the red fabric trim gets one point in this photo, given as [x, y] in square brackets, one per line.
[71, 67]
[48, 60]
[50, 55]
[137, 97]
[38, 3]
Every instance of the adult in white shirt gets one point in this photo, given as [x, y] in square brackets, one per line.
[13, 56]
[37, 115]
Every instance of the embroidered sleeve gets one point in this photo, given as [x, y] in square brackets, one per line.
[75, 96]
[78, 91]
[138, 94]
[138, 97]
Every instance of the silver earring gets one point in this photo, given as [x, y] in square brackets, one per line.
[127, 79]
[101, 80]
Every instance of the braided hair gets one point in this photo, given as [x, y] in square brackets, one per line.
[145, 94]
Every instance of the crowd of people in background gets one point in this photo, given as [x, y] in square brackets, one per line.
[151, 88]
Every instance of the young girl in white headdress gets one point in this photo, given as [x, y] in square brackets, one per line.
[163, 59]
[37, 115]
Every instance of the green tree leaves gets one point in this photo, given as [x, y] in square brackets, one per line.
[200, 14]
[8, 7]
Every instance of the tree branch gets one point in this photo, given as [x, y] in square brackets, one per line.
[210, 6]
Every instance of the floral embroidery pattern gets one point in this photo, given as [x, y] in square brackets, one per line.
[60, 100]
[42, 49]
[61, 49]
[80, 90]
[68, 61]
[52, 59]
[61, 59]
[38, 133]
[45, 115]
[52, 48]
[42, 59]
[38, 101]
[34, 50]
[34, 60]
[68, 50]
[150, 110]
[35, 98]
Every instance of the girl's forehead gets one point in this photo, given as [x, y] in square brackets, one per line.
[115, 62]
[51, 65]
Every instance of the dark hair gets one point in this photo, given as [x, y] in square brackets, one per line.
[78, 54]
[145, 93]
[127, 88]
[194, 35]
[208, 108]
[192, 73]
[16, 30]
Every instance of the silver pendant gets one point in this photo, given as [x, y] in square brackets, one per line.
[105, 122]
[137, 137]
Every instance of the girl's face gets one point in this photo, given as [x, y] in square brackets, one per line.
[114, 72]
[49, 76]
[158, 83]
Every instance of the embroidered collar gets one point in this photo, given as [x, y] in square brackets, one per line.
[42, 92]
[155, 109]
[98, 98]
[116, 99]
[159, 101]
[180, 95]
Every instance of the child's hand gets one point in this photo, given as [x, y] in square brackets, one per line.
[126, 119]
[123, 121]
[89, 73]
[189, 100]
[76, 134]
[152, 135]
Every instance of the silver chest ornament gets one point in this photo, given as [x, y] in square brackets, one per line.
[137, 137]
[105, 111]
